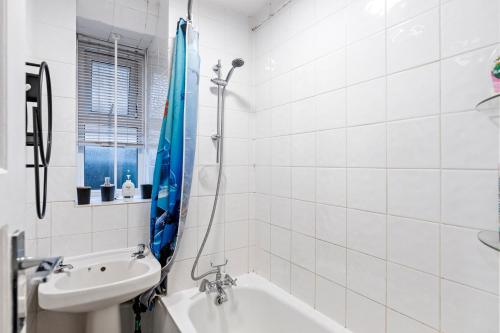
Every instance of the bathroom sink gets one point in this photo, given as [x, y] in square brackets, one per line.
[97, 283]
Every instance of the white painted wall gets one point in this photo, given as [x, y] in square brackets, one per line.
[68, 229]
[224, 35]
[12, 181]
[373, 171]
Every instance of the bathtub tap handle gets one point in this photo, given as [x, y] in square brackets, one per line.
[229, 281]
[219, 266]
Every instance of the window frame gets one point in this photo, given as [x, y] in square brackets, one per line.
[141, 148]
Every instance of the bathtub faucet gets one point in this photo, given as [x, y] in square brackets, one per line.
[217, 286]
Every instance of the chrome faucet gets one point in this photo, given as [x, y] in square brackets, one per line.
[63, 268]
[140, 253]
[20, 263]
[217, 286]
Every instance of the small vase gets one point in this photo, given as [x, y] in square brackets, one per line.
[83, 195]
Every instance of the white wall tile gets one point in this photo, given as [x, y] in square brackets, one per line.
[280, 242]
[238, 261]
[470, 199]
[331, 224]
[330, 72]
[281, 89]
[330, 32]
[261, 263]
[330, 109]
[302, 55]
[302, 81]
[414, 193]
[281, 272]
[467, 261]
[364, 315]
[71, 245]
[303, 116]
[331, 262]
[331, 186]
[137, 236]
[467, 310]
[281, 151]
[482, 26]
[330, 299]
[67, 219]
[281, 212]
[263, 235]
[236, 235]
[109, 217]
[302, 154]
[303, 252]
[413, 293]
[281, 120]
[357, 70]
[367, 189]
[303, 187]
[366, 232]
[366, 146]
[366, 275]
[301, 12]
[413, 143]
[236, 206]
[366, 102]
[413, 243]
[364, 17]
[403, 87]
[469, 141]
[397, 322]
[463, 83]
[138, 214]
[188, 245]
[303, 284]
[414, 42]
[401, 10]
[331, 148]
[303, 217]
[109, 240]
[280, 181]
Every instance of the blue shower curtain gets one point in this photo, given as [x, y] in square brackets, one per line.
[175, 155]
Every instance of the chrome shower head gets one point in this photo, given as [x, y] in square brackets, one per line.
[238, 62]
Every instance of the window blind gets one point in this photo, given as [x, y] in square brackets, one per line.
[96, 71]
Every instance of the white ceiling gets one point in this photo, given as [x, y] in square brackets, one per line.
[247, 7]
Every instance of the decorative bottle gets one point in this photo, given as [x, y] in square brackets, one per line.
[128, 188]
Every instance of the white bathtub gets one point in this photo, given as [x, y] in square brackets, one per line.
[254, 306]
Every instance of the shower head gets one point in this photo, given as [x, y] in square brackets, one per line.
[238, 62]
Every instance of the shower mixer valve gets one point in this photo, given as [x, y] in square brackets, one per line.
[217, 286]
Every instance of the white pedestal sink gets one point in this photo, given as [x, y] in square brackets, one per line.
[97, 284]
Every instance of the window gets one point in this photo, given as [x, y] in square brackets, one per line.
[96, 120]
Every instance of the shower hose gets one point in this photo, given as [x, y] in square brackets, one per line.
[220, 151]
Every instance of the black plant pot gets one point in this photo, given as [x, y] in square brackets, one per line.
[107, 193]
[146, 190]
[83, 195]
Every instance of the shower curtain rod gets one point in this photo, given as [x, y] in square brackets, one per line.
[190, 5]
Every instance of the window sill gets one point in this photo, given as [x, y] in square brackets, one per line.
[96, 201]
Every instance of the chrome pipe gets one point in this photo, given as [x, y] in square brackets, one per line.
[190, 6]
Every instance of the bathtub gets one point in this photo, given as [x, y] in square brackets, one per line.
[255, 305]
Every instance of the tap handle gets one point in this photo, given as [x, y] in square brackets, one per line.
[218, 267]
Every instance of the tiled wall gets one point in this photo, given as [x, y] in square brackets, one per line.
[223, 35]
[68, 229]
[373, 172]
